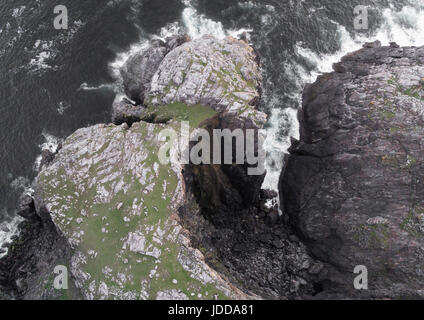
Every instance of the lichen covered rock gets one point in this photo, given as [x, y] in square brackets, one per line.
[109, 195]
[139, 69]
[353, 184]
[223, 74]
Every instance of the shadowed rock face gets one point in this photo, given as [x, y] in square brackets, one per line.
[353, 184]
[27, 270]
[138, 71]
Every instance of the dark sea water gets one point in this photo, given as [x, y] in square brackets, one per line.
[54, 82]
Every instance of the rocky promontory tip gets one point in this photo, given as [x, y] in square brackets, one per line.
[116, 212]
[223, 74]
[353, 185]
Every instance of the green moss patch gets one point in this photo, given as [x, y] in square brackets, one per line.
[118, 211]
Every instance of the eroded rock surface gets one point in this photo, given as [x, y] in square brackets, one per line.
[223, 74]
[353, 185]
[110, 197]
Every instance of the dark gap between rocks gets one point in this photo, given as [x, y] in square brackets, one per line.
[241, 238]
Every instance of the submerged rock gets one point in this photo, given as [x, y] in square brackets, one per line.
[353, 184]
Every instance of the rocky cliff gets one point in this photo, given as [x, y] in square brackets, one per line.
[353, 184]
[130, 227]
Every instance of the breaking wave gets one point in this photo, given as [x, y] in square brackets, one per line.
[405, 27]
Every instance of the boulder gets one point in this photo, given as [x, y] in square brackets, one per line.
[175, 41]
[26, 207]
[139, 70]
[222, 74]
[352, 185]
[141, 66]
[125, 112]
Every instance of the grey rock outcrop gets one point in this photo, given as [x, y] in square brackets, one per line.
[140, 67]
[353, 184]
[223, 74]
[109, 196]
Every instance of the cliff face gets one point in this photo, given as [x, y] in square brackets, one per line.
[353, 184]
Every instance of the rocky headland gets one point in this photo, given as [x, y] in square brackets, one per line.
[129, 227]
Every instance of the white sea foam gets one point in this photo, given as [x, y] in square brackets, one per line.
[51, 143]
[17, 12]
[197, 25]
[405, 27]
[62, 107]
[122, 58]
[276, 145]
[45, 52]
[8, 229]
[85, 87]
